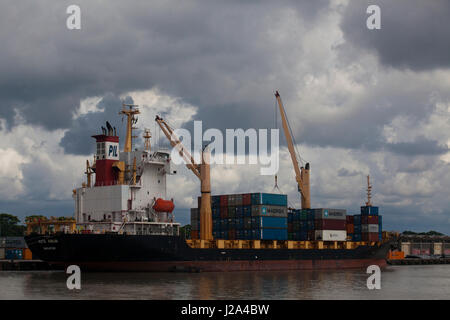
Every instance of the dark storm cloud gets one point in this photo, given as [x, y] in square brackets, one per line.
[216, 56]
[203, 52]
[362, 127]
[38, 180]
[414, 34]
[421, 146]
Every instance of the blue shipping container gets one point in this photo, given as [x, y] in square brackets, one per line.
[215, 200]
[216, 212]
[272, 234]
[239, 223]
[357, 219]
[369, 211]
[269, 198]
[303, 225]
[301, 236]
[13, 254]
[239, 211]
[271, 222]
[224, 224]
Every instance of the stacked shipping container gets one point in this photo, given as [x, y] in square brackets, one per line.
[14, 248]
[250, 216]
[367, 226]
[330, 224]
[265, 216]
[317, 224]
[301, 224]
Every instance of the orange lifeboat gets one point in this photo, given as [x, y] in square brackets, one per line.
[162, 205]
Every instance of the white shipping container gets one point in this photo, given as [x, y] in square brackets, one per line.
[331, 235]
[369, 228]
[437, 248]
[406, 248]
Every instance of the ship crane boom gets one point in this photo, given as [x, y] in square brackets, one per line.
[176, 143]
[202, 171]
[301, 174]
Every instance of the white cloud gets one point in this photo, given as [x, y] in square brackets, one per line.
[10, 173]
[153, 102]
[87, 105]
[36, 149]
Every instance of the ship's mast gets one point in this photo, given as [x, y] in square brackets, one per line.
[147, 135]
[89, 172]
[131, 120]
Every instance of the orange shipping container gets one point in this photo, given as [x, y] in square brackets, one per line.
[396, 255]
[350, 228]
[27, 255]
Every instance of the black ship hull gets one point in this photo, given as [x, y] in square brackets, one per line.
[114, 252]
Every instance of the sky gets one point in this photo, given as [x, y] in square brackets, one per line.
[359, 101]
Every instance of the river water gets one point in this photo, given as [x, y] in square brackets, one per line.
[397, 282]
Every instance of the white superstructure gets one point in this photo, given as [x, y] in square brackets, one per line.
[129, 194]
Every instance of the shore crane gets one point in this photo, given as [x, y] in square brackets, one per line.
[202, 171]
[301, 174]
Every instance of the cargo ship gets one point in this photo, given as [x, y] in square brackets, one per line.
[123, 221]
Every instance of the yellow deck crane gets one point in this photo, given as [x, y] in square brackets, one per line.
[301, 174]
[202, 171]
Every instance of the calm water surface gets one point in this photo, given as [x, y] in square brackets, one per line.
[397, 282]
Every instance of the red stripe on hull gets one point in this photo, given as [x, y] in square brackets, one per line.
[225, 266]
